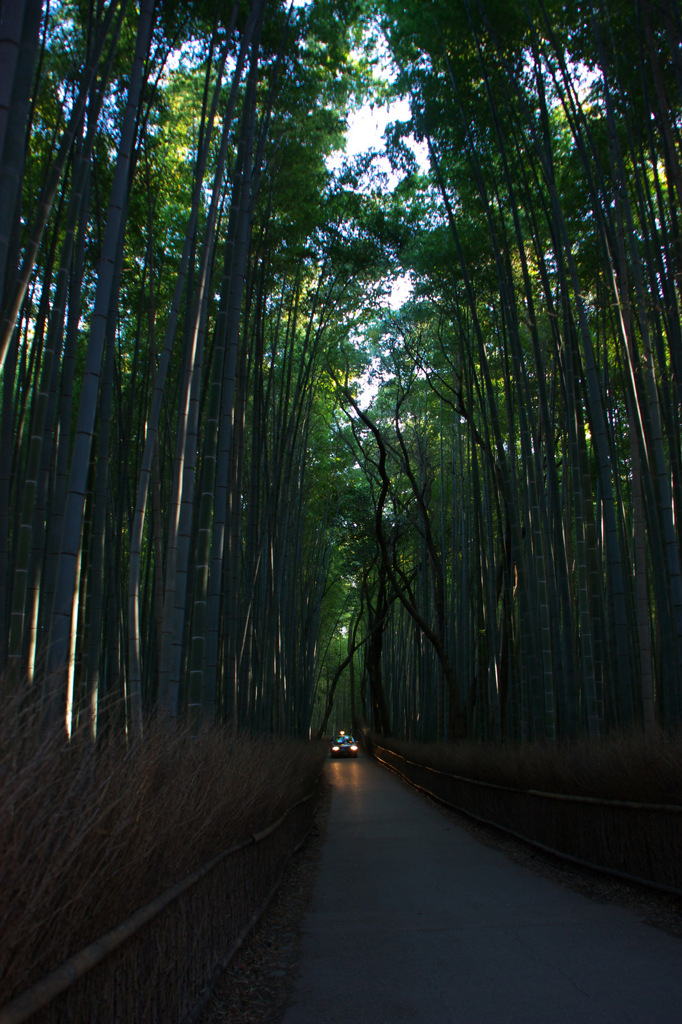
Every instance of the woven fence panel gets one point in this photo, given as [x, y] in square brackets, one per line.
[638, 840]
[158, 975]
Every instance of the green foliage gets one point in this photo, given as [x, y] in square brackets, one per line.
[459, 473]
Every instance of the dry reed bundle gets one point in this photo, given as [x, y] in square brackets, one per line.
[614, 804]
[90, 833]
[618, 767]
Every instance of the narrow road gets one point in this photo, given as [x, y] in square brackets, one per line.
[413, 920]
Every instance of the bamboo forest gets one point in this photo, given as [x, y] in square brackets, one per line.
[293, 435]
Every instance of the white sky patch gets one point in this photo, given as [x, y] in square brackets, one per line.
[401, 290]
[369, 385]
[366, 127]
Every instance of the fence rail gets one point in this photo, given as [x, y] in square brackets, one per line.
[635, 841]
[158, 965]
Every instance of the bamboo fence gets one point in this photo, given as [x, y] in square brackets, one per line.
[637, 841]
[160, 964]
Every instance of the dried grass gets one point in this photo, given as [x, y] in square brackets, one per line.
[90, 834]
[632, 825]
[618, 767]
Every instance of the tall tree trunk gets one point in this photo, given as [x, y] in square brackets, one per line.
[19, 37]
[60, 631]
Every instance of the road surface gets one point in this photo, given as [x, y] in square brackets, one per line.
[413, 920]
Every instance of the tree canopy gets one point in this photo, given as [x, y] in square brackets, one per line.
[240, 483]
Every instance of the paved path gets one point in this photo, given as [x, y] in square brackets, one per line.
[413, 920]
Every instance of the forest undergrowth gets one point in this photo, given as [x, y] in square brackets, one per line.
[620, 766]
[89, 832]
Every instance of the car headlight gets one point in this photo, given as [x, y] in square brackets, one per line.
[335, 749]
[353, 747]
